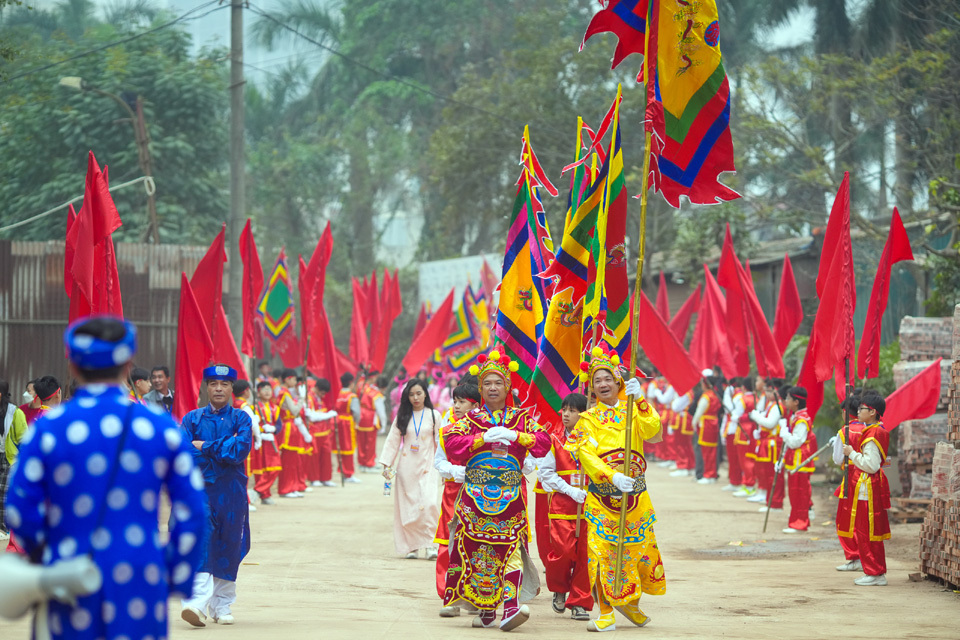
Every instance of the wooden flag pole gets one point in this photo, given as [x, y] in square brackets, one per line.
[634, 346]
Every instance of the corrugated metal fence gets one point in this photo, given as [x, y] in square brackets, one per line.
[34, 305]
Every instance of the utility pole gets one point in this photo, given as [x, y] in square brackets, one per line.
[237, 169]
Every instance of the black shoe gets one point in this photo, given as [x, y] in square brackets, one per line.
[559, 602]
[579, 613]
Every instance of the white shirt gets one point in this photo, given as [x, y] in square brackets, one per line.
[795, 438]
[867, 460]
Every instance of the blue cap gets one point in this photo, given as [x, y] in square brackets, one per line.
[220, 372]
[88, 352]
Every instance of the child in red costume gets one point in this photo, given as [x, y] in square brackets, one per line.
[866, 521]
[801, 443]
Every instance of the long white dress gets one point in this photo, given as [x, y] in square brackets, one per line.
[416, 488]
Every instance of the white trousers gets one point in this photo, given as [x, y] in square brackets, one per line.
[212, 596]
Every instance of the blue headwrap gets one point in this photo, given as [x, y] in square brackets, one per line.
[88, 352]
[220, 372]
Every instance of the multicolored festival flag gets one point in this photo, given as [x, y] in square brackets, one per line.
[688, 103]
[276, 304]
[627, 19]
[463, 345]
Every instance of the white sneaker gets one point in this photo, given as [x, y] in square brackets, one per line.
[329, 483]
[316, 483]
[679, 473]
[353, 480]
[673, 466]
[517, 619]
[664, 463]
[452, 611]
[730, 487]
[764, 510]
[308, 489]
[224, 619]
[193, 616]
[251, 508]
[852, 565]
[871, 581]
[811, 514]
[744, 492]
[413, 555]
[792, 530]
[707, 481]
[292, 494]
[431, 554]
[759, 496]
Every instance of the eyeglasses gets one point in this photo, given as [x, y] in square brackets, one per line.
[864, 407]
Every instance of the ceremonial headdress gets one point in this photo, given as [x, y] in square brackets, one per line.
[219, 372]
[601, 358]
[90, 352]
[494, 364]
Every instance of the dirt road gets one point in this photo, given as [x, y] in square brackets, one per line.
[324, 567]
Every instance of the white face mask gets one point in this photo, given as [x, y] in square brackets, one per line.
[27, 397]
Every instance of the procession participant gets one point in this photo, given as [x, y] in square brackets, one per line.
[568, 576]
[801, 443]
[294, 440]
[322, 423]
[408, 455]
[490, 523]
[654, 452]
[707, 422]
[683, 433]
[867, 521]
[221, 436]
[348, 414]
[398, 383]
[668, 449]
[269, 463]
[845, 503]
[739, 439]
[767, 450]
[373, 416]
[598, 441]
[265, 372]
[242, 396]
[11, 420]
[140, 379]
[89, 481]
[47, 394]
[466, 398]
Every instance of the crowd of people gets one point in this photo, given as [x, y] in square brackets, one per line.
[458, 473]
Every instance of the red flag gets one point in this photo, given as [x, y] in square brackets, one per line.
[391, 307]
[359, 347]
[324, 358]
[664, 350]
[420, 324]
[663, 299]
[305, 288]
[431, 338]
[68, 251]
[373, 312]
[915, 400]
[490, 283]
[680, 324]
[710, 345]
[194, 351]
[252, 343]
[896, 249]
[207, 287]
[789, 309]
[808, 380]
[346, 364]
[311, 283]
[728, 277]
[833, 334]
[765, 349]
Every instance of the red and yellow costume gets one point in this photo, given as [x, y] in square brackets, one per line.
[447, 501]
[567, 566]
[862, 512]
[346, 443]
[319, 465]
[708, 435]
[766, 454]
[267, 464]
[683, 437]
[741, 444]
[293, 447]
[798, 483]
[845, 502]
[368, 426]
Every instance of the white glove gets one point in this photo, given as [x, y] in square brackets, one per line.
[669, 431]
[328, 415]
[529, 465]
[757, 433]
[632, 388]
[459, 474]
[268, 428]
[622, 482]
[755, 415]
[267, 437]
[257, 444]
[302, 428]
[302, 390]
[778, 467]
[308, 438]
[578, 495]
[732, 428]
[832, 441]
[500, 433]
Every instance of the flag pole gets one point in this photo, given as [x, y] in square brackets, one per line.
[634, 346]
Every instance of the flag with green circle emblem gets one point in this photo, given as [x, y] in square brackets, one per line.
[276, 304]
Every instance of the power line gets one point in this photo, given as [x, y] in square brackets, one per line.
[109, 45]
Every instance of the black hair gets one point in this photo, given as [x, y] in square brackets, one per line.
[161, 367]
[262, 384]
[466, 392]
[800, 395]
[874, 400]
[322, 384]
[852, 403]
[45, 386]
[4, 397]
[405, 412]
[383, 381]
[286, 373]
[576, 401]
[240, 387]
[747, 383]
[108, 330]
[264, 363]
[139, 374]
[347, 379]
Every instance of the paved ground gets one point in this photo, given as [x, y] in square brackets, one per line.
[324, 567]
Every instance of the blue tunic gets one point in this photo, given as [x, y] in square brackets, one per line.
[227, 435]
[59, 486]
